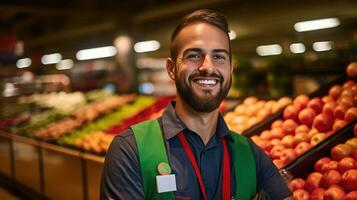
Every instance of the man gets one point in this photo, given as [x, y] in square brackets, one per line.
[200, 157]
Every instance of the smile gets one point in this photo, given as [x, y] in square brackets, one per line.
[206, 81]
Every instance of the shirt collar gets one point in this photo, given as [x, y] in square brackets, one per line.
[172, 125]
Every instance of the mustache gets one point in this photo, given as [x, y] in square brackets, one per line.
[207, 75]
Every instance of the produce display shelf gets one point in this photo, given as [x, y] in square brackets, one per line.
[304, 164]
[51, 166]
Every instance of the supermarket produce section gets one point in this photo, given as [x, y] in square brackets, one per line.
[62, 138]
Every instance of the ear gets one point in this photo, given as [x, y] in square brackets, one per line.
[170, 67]
[232, 67]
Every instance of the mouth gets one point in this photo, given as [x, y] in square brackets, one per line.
[206, 82]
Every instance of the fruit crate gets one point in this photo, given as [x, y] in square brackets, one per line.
[320, 92]
[304, 164]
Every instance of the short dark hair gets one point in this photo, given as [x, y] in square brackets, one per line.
[204, 15]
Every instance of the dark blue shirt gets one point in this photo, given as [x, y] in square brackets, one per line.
[121, 177]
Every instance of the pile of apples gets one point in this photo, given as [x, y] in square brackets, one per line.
[334, 178]
[307, 122]
[252, 111]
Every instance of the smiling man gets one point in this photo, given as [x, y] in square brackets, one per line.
[189, 152]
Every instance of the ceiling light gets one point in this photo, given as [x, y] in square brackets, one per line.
[269, 50]
[232, 35]
[146, 46]
[94, 53]
[297, 48]
[64, 64]
[23, 63]
[322, 46]
[51, 58]
[316, 24]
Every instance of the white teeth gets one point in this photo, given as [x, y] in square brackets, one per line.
[207, 82]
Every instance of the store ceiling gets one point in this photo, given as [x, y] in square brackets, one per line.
[66, 26]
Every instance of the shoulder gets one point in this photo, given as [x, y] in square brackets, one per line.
[122, 147]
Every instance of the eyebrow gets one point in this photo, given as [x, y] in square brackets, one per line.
[200, 50]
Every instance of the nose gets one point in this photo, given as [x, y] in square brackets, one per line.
[207, 65]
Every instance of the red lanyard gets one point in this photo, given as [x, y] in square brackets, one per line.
[226, 182]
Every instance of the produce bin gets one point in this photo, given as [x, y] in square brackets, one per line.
[304, 165]
[27, 165]
[6, 166]
[63, 173]
[93, 169]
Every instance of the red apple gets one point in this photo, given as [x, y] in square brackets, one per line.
[288, 141]
[339, 111]
[320, 163]
[335, 91]
[275, 142]
[312, 132]
[263, 113]
[330, 166]
[302, 129]
[302, 148]
[352, 70]
[351, 196]
[278, 163]
[322, 122]
[331, 177]
[317, 194]
[313, 181]
[277, 124]
[351, 114]
[334, 193]
[289, 126]
[317, 138]
[277, 133]
[354, 153]
[338, 124]
[301, 194]
[346, 164]
[301, 101]
[250, 100]
[264, 144]
[297, 183]
[276, 151]
[316, 104]
[352, 142]
[291, 112]
[266, 135]
[307, 116]
[301, 137]
[348, 84]
[287, 156]
[327, 99]
[349, 179]
[341, 151]
[346, 101]
[329, 108]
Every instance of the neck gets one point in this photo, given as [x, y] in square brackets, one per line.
[204, 124]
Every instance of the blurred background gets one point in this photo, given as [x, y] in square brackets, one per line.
[75, 73]
[278, 49]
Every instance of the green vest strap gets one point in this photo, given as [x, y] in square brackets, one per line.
[152, 151]
[244, 166]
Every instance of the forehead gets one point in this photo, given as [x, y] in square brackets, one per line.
[203, 36]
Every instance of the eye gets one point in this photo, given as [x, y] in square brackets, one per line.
[193, 57]
[219, 57]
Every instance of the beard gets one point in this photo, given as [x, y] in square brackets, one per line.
[207, 103]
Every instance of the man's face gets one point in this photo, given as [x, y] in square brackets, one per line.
[203, 69]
